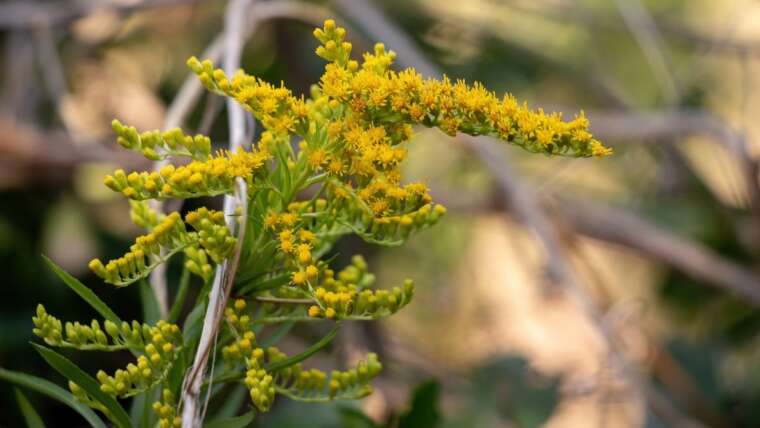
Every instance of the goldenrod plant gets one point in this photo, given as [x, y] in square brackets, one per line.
[325, 166]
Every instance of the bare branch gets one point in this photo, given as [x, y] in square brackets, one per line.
[29, 155]
[702, 264]
[677, 30]
[22, 14]
[647, 35]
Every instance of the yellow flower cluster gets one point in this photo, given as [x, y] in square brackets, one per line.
[240, 323]
[167, 238]
[196, 261]
[313, 385]
[157, 145]
[344, 299]
[143, 215]
[334, 48]
[167, 411]
[211, 177]
[355, 381]
[259, 382]
[213, 233]
[236, 317]
[276, 107]
[383, 213]
[162, 344]
[383, 95]
[350, 145]
[79, 336]
[296, 242]
[145, 254]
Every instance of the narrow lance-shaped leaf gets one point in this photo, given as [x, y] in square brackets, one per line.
[53, 391]
[69, 370]
[31, 417]
[84, 292]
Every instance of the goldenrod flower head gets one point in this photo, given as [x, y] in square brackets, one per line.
[210, 177]
[169, 235]
[352, 134]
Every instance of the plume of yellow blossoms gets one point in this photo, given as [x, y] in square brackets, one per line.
[351, 134]
[375, 93]
[215, 176]
[325, 166]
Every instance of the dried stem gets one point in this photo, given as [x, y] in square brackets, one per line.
[224, 277]
[192, 416]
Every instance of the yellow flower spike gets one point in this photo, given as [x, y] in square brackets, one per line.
[306, 236]
[352, 133]
[287, 246]
[210, 177]
[319, 293]
[314, 311]
[304, 256]
[312, 271]
[214, 235]
[298, 278]
[288, 219]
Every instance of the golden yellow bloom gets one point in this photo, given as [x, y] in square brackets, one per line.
[211, 177]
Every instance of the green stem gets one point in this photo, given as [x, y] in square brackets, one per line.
[179, 301]
[282, 300]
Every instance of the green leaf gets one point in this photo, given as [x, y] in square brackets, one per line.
[258, 285]
[232, 401]
[84, 292]
[140, 410]
[278, 334]
[235, 422]
[194, 323]
[352, 417]
[151, 313]
[68, 369]
[311, 350]
[179, 301]
[424, 412]
[53, 391]
[31, 417]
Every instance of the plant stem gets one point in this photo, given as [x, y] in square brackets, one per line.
[284, 300]
[179, 301]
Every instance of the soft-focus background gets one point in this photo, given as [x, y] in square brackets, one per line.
[620, 292]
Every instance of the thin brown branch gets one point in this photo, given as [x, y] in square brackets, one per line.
[697, 261]
[676, 30]
[657, 126]
[23, 14]
[647, 36]
[28, 155]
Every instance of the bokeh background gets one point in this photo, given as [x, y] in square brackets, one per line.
[615, 292]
